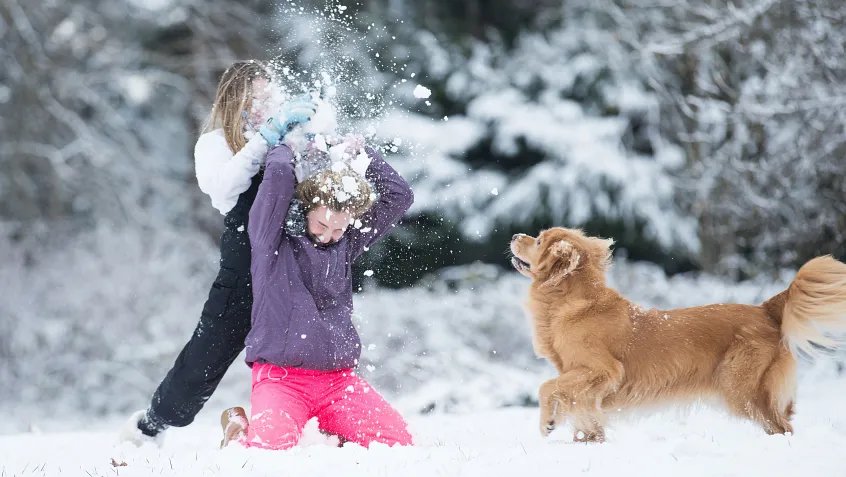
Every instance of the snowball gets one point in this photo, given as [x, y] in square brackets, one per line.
[368, 273]
[422, 92]
[350, 185]
[324, 121]
[138, 88]
[320, 143]
[360, 163]
[338, 152]
[341, 196]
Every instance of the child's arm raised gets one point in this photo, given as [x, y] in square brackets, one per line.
[395, 198]
[223, 176]
[267, 215]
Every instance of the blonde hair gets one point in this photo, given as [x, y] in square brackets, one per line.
[329, 188]
[235, 96]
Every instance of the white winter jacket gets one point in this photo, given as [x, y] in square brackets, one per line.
[222, 175]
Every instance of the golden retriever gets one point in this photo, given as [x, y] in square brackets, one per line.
[612, 355]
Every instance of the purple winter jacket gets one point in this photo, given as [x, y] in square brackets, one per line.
[302, 294]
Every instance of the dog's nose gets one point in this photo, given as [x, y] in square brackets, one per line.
[517, 236]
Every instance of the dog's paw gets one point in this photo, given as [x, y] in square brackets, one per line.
[590, 436]
[546, 427]
[549, 418]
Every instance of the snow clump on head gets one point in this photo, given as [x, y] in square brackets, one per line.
[330, 168]
[331, 172]
[339, 190]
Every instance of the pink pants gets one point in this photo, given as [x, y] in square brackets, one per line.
[283, 399]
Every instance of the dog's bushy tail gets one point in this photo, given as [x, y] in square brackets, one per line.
[814, 314]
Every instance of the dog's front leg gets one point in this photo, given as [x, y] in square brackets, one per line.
[590, 390]
[554, 406]
[580, 388]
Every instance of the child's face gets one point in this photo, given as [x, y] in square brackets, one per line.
[262, 103]
[325, 226]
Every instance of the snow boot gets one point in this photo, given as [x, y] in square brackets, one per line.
[139, 430]
[234, 423]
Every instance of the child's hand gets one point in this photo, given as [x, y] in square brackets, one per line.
[297, 111]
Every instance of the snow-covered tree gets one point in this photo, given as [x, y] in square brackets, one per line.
[754, 92]
[550, 129]
[100, 100]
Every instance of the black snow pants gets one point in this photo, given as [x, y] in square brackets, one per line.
[219, 337]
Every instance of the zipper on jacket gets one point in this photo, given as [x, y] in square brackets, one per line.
[332, 264]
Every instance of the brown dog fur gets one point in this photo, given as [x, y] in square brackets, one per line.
[613, 355]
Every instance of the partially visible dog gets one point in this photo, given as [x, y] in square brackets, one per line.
[613, 355]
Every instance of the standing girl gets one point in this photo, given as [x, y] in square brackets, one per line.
[228, 159]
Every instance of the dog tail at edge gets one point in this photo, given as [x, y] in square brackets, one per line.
[814, 314]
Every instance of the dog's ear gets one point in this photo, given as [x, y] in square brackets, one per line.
[564, 259]
[601, 252]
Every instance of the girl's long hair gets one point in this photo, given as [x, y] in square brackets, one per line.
[234, 97]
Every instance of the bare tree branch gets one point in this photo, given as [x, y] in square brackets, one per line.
[727, 28]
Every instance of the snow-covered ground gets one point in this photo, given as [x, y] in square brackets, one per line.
[699, 442]
[452, 353]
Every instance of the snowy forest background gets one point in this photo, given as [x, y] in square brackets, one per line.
[706, 137]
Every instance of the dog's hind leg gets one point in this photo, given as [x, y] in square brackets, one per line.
[759, 386]
[778, 392]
